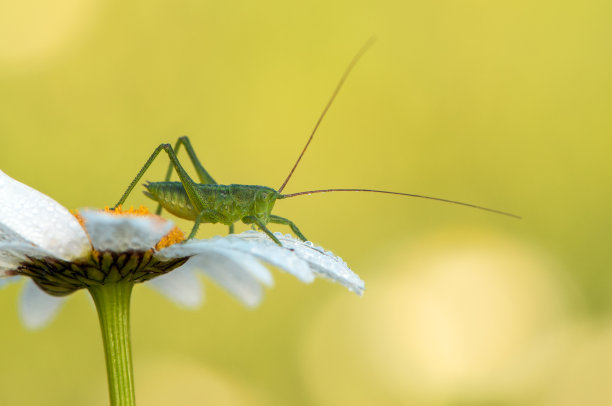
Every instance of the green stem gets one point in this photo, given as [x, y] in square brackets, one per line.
[113, 304]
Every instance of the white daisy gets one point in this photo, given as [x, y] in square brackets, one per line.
[62, 252]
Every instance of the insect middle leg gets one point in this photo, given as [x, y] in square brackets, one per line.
[281, 220]
[211, 215]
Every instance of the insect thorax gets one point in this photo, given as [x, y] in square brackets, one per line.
[222, 203]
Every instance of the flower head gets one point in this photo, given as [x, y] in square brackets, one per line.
[62, 252]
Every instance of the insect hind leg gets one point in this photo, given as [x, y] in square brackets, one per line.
[203, 175]
[281, 220]
[188, 184]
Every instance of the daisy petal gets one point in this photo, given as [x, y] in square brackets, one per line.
[259, 245]
[40, 220]
[36, 308]
[322, 262]
[231, 273]
[7, 234]
[109, 232]
[14, 253]
[181, 286]
[217, 246]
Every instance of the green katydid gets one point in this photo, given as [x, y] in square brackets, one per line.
[209, 202]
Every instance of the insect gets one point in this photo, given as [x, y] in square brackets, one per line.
[209, 202]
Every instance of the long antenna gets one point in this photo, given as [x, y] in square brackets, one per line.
[348, 70]
[402, 194]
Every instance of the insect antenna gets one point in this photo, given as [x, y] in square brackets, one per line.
[348, 70]
[308, 192]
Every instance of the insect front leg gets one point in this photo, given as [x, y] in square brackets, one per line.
[262, 227]
[281, 220]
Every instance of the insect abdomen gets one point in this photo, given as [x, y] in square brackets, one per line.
[172, 197]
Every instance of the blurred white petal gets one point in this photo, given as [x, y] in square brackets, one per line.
[40, 220]
[37, 308]
[110, 232]
[231, 272]
[8, 280]
[181, 286]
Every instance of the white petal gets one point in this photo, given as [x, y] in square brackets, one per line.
[259, 245]
[231, 273]
[14, 253]
[322, 262]
[291, 257]
[181, 286]
[7, 234]
[251, 265]
[36, 308]
[216, 246]
[40, 219]
[184, 249]
[118, 233]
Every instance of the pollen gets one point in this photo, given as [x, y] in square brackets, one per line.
[141, 211]
[79, 218]
[173, 237]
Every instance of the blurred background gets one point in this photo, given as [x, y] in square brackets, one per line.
[504, 104]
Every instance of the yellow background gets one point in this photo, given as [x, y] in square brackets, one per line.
[500, 103]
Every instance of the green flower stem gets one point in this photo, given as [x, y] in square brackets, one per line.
[113, 305]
